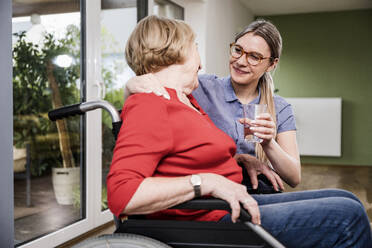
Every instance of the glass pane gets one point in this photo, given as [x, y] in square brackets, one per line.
[118, 19]
[46, 75]
[168, 9]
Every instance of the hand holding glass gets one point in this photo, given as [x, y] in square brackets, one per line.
[251, 111]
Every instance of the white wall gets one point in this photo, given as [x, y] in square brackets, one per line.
[196, 17]
[224, 20]
[318, 122]
[215, 23]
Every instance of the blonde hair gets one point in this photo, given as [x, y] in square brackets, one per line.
[271, 35]
[157, 42]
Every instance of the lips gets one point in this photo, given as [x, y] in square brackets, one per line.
[239, 71]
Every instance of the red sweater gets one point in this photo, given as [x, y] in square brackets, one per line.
[166, 138]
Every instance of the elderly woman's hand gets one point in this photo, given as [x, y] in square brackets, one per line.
[146, 83]
[263, 127]
[234, 193]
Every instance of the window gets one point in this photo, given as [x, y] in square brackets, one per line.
[115, 71]
[47, 155]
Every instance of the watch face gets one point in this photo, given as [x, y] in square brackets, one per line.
[195, 180]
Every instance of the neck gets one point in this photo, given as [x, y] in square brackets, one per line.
[245, 92]
[171, 77]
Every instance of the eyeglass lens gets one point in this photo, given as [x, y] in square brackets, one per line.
[236, 52]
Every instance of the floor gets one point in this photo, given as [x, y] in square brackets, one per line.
[31, 221]
[45, 215]
[357, 179]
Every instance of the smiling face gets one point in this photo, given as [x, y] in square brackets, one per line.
[241, 71]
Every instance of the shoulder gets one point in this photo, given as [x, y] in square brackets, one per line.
[284, 113]
[144, 103]
[209, 80]
[207, 77]
[281, 103]
[144, 98]
[211, 83]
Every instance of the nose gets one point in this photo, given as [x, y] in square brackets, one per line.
[242, 60]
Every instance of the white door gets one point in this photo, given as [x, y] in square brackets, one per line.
[65, 52]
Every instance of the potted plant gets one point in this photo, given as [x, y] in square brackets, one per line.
[19, 159]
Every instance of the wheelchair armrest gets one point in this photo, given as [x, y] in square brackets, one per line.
[217, 204]
[212, 204]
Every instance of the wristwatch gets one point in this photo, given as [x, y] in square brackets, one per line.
[195, 181]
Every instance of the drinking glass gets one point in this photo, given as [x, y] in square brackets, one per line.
[251, 111]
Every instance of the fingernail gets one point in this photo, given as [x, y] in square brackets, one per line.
[253, 122]
[252, 128]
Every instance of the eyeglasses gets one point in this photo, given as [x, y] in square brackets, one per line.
[253, 58]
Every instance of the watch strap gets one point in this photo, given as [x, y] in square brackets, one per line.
[197, 191]
[195, 181]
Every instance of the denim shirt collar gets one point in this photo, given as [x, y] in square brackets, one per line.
[230, 95]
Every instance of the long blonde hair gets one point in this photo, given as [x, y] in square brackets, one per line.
[271, 35]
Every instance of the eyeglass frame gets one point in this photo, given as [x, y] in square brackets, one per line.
[247, 54]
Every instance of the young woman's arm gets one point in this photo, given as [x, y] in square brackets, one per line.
[284, 157]
[281, 151]
[146, 83]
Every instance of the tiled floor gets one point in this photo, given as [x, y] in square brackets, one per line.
[31, 221]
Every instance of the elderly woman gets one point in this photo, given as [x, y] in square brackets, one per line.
[169, 151]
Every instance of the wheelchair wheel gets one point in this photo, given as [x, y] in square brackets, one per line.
[121, 240]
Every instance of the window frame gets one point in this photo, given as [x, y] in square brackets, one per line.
[92, 216]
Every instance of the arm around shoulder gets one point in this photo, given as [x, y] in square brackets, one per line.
[147, 83]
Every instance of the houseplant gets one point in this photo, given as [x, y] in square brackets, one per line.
[40, 85]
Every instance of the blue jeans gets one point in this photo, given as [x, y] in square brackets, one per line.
[315, 218]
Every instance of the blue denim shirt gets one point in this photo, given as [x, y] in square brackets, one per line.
[217, 98]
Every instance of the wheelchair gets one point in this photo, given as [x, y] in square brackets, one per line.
[138, 232]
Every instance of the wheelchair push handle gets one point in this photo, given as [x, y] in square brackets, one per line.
[82, 108]
[64, 112]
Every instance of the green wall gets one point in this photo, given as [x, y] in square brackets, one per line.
[330, 55]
